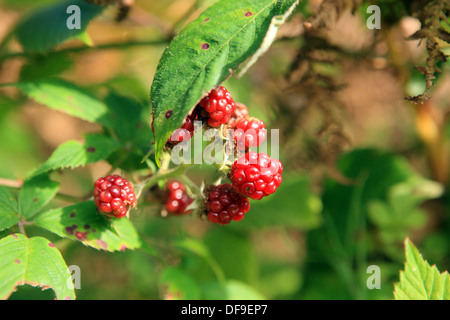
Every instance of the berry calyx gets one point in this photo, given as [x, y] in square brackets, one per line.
[177, 199]
[114, 195]
[223, 204]
[250, 132]
[219, 104]
[256, 175]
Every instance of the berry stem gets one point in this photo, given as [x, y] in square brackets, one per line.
[165, 174]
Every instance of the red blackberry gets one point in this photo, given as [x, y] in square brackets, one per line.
[177, 200]
[250, 132]
[114, 195]
[223, 204]
[219, 105]
[256, 175]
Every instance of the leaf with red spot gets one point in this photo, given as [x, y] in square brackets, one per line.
[34, 261]
[83, 223]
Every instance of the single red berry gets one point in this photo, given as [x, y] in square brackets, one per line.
[177, 199]
[256, 175]
[114, 195]
[219, 104]
[250, 132]
[223, 204]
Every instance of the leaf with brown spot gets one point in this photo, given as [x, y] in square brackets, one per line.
[104, 233]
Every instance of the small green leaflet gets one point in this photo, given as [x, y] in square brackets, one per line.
[47, 27]
[208, 51]
[35, 194]
[82, 222]
[66, 97]
[8, 209]
[419, 280]
[33, 261]
[72, 154]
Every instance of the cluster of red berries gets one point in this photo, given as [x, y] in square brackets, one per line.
[253, 175]
[114, 195]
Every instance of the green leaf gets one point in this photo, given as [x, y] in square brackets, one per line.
[34, 261]
[419, 280]
[65, 97]
[72, 154]
[47, 27]
[35, 194]
[205, 53]
[82, 222]
[8, 209]
[40, 67]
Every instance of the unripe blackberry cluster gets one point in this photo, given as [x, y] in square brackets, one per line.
[223, 204]
[219, 104]
[176, 198]
[113, 196]
[256, 175]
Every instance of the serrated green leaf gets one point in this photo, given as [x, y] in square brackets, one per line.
[34, 261]
[47, 27]
[204, 54]
[72, 154]
[65, 97]
[8, 209]
[82, 222]
[419, 280]
[35, 194]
